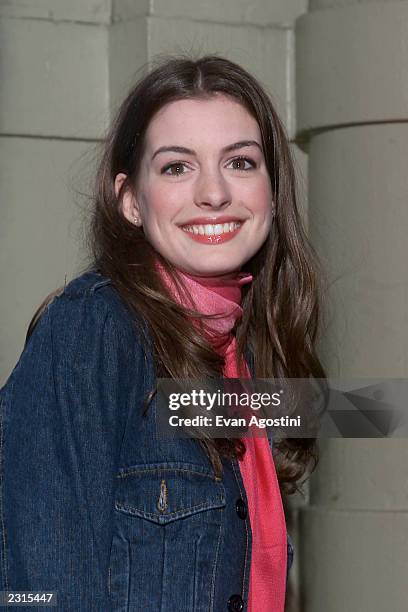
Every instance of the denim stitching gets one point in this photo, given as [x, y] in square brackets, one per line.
[195, 580]
[212, 595]
[85, 291]
[128, 576]
[98, 285]
[179, 513]
[131, 472]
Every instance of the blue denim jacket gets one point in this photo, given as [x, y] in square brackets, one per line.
[95, 505]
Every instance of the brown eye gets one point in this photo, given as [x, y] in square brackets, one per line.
[243, 163]
[175, 169]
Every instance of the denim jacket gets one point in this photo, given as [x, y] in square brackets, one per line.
[95, 505]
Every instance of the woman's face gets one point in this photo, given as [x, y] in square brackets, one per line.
[203, 194]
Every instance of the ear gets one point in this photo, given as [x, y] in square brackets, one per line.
[129, 203]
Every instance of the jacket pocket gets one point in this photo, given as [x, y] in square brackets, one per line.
[167, 492]
[169, 521]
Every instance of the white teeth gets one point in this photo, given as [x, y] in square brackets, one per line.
[212, 230]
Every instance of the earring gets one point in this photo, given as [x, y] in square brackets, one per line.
[136, 220]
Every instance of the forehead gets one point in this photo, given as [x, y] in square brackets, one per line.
[218, 120]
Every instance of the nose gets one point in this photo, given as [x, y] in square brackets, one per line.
[212, 190]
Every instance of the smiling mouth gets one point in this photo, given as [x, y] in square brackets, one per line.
[213, 233]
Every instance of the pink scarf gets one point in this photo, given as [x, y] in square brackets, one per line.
[267, 585]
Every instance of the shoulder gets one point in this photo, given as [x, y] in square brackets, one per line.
[96, 293]
[86, 284]
[94, 289]
[85, 344]
[89, 307]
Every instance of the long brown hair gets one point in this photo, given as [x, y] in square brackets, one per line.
[280, 307]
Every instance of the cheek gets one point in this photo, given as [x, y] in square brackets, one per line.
[258, 198]
[265, 191]
[160, 204]
[263, 208]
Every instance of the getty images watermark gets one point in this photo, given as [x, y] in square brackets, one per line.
[231, 403]
[295, 408]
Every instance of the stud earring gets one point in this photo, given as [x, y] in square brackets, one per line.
[136, 220]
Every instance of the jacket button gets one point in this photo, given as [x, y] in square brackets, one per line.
[235, 603]
[241, 508]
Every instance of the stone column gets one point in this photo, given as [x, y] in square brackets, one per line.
[352, 84]
[61, 63]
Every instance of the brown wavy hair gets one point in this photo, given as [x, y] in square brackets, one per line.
[280, 307]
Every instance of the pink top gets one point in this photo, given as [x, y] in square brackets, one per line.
[267, 584]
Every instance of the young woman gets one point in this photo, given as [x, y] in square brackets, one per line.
[195, 216]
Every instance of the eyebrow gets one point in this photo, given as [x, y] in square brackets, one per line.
[232, 147]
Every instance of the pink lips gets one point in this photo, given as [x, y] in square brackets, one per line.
[218, 239]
